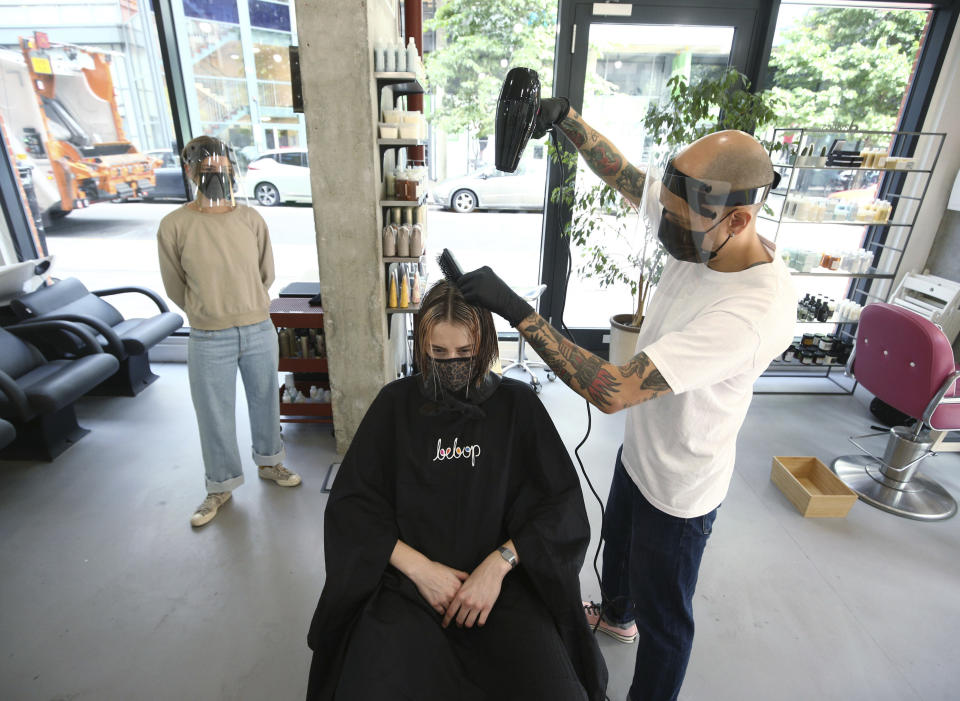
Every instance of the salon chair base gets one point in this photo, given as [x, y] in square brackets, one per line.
[133, 376]
[45, 437]
[526, 365]
[918, 498]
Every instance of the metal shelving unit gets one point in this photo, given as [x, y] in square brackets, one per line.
[904, 188]
[401, 84]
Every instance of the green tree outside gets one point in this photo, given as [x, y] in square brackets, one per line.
[845, 67]
[481, 41]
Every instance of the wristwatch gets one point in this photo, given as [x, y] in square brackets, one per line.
[507, 554]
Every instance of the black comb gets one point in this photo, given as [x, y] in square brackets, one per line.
[449, 266]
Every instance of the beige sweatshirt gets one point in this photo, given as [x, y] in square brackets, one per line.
[217, 267]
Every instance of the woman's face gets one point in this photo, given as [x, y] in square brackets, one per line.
[449, 341]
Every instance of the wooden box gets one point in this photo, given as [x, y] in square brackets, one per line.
[812, 487]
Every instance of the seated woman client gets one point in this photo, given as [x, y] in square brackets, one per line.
[454, 536]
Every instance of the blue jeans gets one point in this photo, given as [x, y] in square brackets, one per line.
[650, 566]
[212, 361]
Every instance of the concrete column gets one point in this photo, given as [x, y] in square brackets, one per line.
[336, 59]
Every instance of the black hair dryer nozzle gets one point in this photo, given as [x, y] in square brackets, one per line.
[517, 111]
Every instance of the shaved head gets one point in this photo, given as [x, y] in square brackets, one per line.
[732, 156]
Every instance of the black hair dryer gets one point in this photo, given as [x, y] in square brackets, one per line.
[517, 111]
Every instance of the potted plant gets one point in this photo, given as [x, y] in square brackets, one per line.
[618, 247]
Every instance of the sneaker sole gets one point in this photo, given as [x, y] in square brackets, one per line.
[283, 483]
[204, 520]
[619, 637]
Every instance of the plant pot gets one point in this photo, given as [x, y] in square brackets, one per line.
[623, 338]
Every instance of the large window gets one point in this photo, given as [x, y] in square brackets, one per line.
[628, 66]
[843, 68]
[485, 216]
[109, 88]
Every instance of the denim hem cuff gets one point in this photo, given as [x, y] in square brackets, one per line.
[269, 460]
[225, 486]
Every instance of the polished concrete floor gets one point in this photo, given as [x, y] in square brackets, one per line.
[106, 593]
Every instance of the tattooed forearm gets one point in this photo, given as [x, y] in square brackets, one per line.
[575, 131]
[584, 372]
[603, 159]
[630, 182]
[606, 386]
[638, 365]
[650, 378]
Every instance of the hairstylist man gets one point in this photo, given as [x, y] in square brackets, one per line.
[725, 306]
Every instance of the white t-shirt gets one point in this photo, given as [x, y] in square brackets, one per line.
[711, 335]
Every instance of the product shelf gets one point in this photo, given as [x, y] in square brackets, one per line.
[863, 276]
[787, 220]
[885, 241]
[403, 259]
[405, 203]
[397, 143]
[875, 170]
[303, 365]
[412, 309]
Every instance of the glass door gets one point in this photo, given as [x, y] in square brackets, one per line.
[622, 57]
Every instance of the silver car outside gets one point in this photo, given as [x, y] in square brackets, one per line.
[489, 188]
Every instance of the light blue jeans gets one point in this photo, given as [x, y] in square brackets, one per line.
[212, 361]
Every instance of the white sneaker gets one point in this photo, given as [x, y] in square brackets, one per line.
[208, 509]
[279, 474]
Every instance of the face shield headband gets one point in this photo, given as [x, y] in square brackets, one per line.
[213, 169]
[706, 199]
[700, 194]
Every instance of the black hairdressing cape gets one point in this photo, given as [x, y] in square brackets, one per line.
[454, 479]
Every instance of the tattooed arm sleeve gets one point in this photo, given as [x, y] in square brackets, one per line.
[608, 387]
[604, 158]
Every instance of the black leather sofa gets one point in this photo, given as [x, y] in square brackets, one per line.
[7, 433]
[37, 394]
[128, 340]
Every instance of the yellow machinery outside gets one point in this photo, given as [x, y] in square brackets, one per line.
[60, 109]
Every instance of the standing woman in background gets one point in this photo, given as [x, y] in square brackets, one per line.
[217, 265]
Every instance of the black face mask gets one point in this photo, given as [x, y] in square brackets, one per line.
[215, 186]
[453, 373]
[685, 244]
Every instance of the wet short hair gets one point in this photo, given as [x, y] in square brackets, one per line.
[444, 302]
[201, 147]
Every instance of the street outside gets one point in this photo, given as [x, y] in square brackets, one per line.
[114, 245]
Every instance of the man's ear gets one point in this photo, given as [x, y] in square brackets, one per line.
[739, 220]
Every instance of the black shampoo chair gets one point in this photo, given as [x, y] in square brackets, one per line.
[37, 395]
[128, 340]
[7, 433]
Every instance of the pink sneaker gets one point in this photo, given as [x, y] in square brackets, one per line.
[624, 632]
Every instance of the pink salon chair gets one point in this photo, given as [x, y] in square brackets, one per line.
[907, 362]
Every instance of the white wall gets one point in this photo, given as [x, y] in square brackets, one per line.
[942, 116]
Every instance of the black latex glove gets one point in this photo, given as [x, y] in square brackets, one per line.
[553, 110]
[483, 288]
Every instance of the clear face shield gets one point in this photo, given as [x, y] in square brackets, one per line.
[687, 213]
[212, 170]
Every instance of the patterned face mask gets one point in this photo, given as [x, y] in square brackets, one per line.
[453, 373]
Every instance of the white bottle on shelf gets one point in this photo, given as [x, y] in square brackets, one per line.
[400, 56]
[390, 59]
[413, 57]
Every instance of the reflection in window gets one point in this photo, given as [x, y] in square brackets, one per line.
[270, 15]
[216, 49]
[271, 55]
[219, 10]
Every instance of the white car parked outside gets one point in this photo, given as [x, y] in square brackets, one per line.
[490, 188]
[277, 176]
